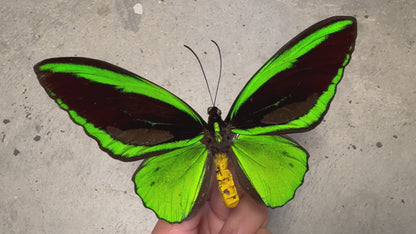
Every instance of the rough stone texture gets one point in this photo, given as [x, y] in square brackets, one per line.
[55, 179]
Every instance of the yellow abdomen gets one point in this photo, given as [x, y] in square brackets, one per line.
[225, 181]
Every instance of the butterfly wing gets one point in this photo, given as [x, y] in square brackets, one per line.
[128, 115]
[293, 90]
[175, 185]
[290, 93]
[131, 117]
[269, 168]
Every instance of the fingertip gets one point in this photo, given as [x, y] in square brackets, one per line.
[161, 227]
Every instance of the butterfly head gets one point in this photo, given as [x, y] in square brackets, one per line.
[214, 114]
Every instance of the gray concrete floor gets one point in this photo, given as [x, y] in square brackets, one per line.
[362, 166]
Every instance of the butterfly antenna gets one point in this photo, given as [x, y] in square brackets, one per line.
[203, 72]
[219, 76]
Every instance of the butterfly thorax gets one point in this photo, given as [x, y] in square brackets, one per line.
[217, 134]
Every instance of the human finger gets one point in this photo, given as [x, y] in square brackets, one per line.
[185, 227]
[248, 217]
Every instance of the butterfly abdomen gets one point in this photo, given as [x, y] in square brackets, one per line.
[225, 181]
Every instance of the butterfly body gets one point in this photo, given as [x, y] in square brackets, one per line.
[218, 138]
[133, 118]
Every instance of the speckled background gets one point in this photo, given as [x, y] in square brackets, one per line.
[362, 166]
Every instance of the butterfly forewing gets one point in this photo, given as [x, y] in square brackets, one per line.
[292, 91]
[127, 114]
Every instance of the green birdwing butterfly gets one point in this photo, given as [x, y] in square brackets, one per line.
[133, 118]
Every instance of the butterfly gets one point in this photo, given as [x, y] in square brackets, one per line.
[133, 118]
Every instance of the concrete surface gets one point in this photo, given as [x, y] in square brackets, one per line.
[55, 179]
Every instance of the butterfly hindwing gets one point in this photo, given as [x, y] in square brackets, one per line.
[175, 185]
[293, 90]
[127, 114]
[269, 168]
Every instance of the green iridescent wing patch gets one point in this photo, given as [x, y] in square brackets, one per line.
[293, 90]
[128, 115]
[269, 167]
[175, 185]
